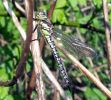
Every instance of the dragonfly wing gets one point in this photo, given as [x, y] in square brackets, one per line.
[77, 47]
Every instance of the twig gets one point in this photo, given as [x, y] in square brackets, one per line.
[87, 8]
[26, 79]
[52, 9]
[32, 82]
[37, 66]
[29, 15]
[107, 32]
[56, 93]
[85, 71]
[78, 25]
[95, 69]
[98, 68]
[31, 85]
[18, 7]
[92, 65]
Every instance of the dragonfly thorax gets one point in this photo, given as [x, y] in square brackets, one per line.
[46, 27]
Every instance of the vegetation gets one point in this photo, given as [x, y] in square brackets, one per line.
[82, 18]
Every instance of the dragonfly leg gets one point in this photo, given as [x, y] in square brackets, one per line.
[35, 28]
[39, 33]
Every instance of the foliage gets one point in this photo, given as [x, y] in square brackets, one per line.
[69, 16]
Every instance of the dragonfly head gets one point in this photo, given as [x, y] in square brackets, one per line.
[41, 15]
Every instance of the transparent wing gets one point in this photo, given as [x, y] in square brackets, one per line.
[76, 46]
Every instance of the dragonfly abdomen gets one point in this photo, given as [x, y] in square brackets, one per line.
[58, 59]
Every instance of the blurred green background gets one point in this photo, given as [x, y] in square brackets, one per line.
[83, 18]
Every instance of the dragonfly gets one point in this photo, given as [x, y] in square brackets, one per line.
[46, 28]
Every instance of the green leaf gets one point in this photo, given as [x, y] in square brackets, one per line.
[73, 4]
[98, 3]
[59, 16]
[9, 97]
[94, 94]
[3, 74]
[84, 19]
[2, 21]
[45, 7]
[2, 8]
[61, 3]
[3, 92]
[17, 51]
[90, 95]
[100, 94]
[82, 2]
[97, 23]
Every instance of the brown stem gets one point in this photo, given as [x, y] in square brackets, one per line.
[107, 33]
[32, 81]
[26, 49]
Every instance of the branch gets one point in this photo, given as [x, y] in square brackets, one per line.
[29, 15]
[78, 25]
[107, 33]
[19, 8]
[32, 81]
[36, 54]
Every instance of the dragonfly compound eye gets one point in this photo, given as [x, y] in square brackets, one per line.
[42, 15]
